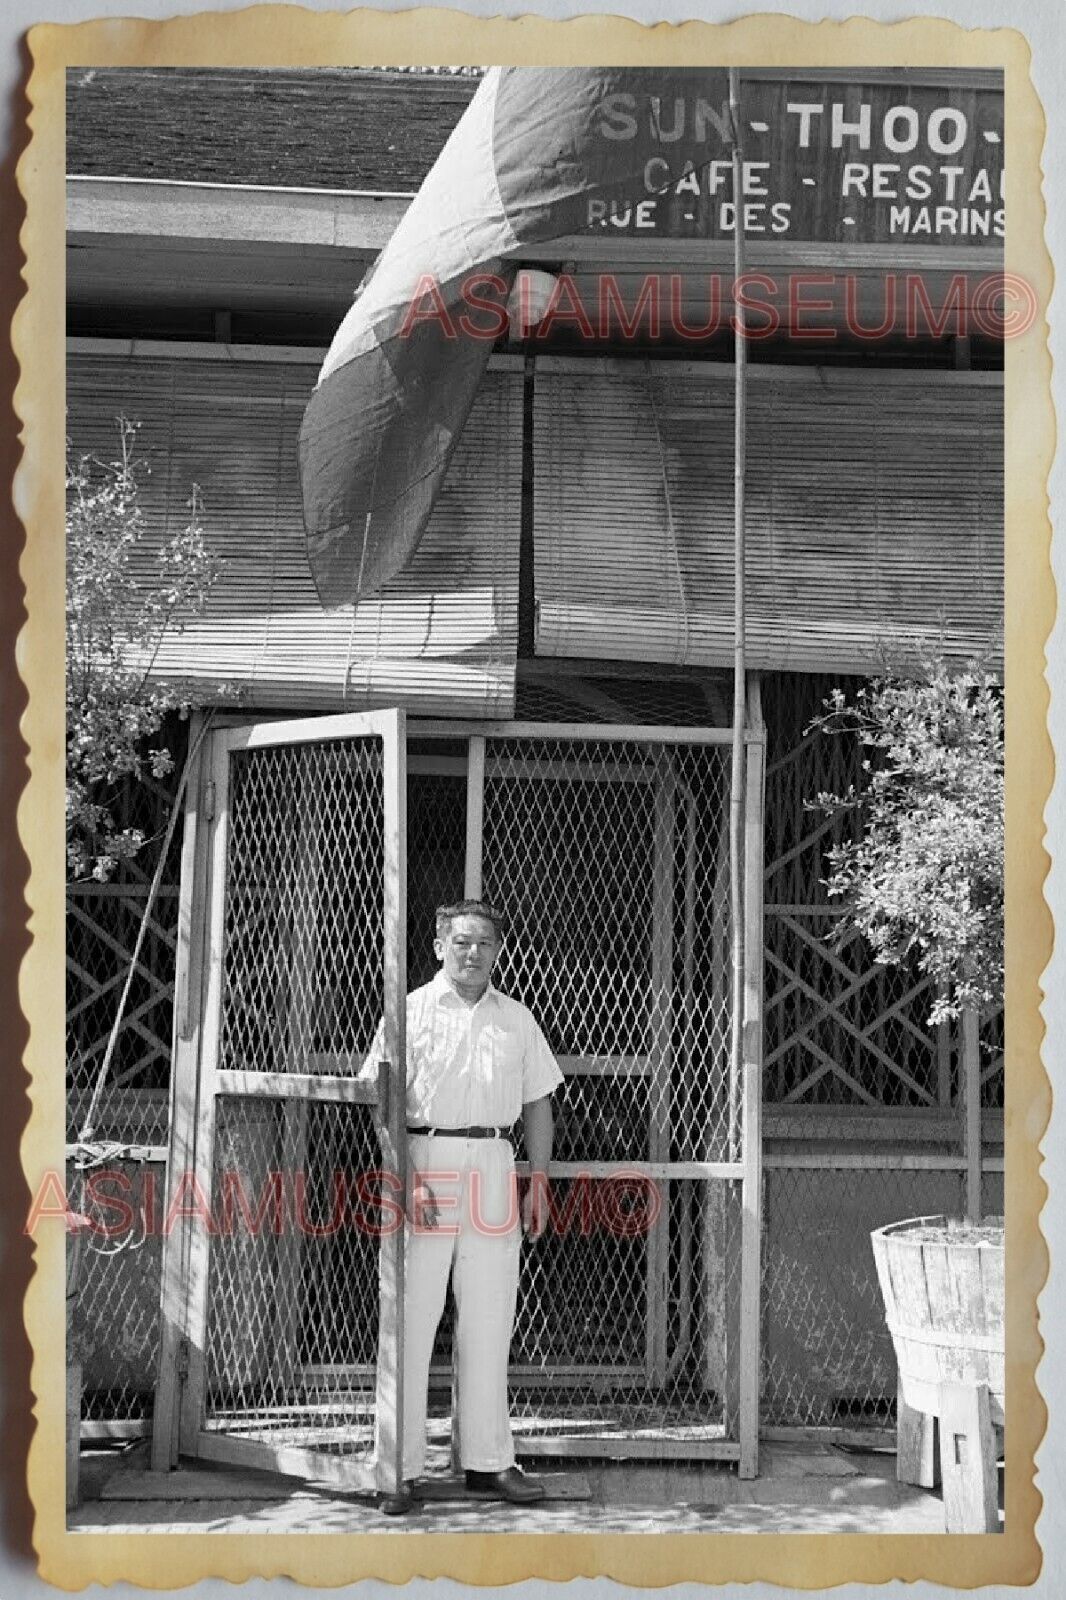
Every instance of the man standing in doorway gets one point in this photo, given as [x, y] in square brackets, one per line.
[476, 1062]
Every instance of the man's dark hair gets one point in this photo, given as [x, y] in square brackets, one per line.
[470, 908]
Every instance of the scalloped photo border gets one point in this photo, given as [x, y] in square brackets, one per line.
[288, 36]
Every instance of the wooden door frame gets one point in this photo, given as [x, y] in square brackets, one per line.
[198, 1082]
[176, 1427]
[748, 1171]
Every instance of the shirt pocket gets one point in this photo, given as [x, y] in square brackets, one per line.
[500, 1059]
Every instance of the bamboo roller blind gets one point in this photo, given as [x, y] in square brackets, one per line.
[874, 512]
[441, 638]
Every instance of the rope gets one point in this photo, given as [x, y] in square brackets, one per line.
[90, 1154]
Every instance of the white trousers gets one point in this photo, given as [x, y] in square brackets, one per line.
[475, 1242]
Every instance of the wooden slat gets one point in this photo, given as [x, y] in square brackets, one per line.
[968, 1459]
[625, 732]
[599, 1446]
[341, 1472]
[639, 1169]
[196, 1263]
[872, 1126]
[347, 1091]
[604, 1066]
[390, 1396]
[475, 817]
[192, 928]
[871, 1161]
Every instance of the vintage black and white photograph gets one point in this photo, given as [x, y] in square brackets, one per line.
[535, 799]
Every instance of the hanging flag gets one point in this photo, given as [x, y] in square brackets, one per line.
[532, 150]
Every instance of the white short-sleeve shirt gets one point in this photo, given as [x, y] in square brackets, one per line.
[470, 1066]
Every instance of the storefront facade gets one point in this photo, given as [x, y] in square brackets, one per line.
[560, 649]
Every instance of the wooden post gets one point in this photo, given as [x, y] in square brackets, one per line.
[692, 1116]
[303, 944]
[716, 1342]
[201, 1172]
[916, 1446]
[472, 890]
[751, 1228]
[475, 817]
[185, 1048]
[657, 1242]
[726, 1142]
[684, 1282]
[970, 1084]
[968, 1459]
[391, 1339]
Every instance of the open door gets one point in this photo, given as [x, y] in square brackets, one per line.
[283, 1255]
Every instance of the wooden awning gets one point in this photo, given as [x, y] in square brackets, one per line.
[875, 512]
[442, 638]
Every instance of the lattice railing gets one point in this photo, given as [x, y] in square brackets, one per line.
[852, 1065]
[117, 1318]
[839, 1028]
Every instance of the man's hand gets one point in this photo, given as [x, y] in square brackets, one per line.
[422, 1208]
[535, 1206]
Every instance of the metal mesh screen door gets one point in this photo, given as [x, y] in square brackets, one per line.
[273, 1327]
[637, 1328]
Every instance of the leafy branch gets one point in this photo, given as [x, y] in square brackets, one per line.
[124, 594]
[921, 876]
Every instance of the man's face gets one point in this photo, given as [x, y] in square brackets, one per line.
[468, 953]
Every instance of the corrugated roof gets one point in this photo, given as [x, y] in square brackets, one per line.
[317, 128]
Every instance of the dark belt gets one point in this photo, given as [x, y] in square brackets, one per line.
[462, 1133]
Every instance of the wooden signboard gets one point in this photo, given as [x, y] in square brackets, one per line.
[824, 161]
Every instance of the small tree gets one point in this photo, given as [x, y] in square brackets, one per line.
[122, 596]
[922, 874]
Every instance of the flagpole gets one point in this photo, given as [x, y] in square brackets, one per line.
[736, 788]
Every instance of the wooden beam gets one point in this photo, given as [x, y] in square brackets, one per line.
[916, 1446]
[657, 1240]
[336, 1090]
[187, 1018]
[216, 812]
[217, 216]
[316, 1466]
[606, 1446]
[604, 1066]
[968, 1459]
[588, 732]
[870, 1161]
[641, 1169]
[475, 817]
[391, 1315]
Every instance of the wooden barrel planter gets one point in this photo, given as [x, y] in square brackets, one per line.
[942, 1281]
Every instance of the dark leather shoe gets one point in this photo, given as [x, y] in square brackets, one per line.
[511, 1485]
